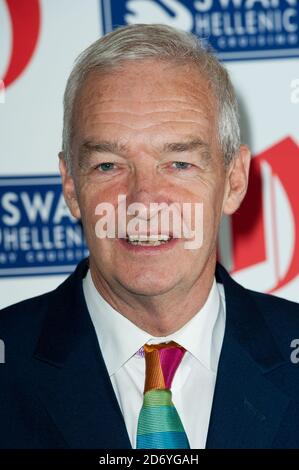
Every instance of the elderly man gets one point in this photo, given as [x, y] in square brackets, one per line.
[149, 343]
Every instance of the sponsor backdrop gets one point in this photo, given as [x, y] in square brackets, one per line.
[258, 40]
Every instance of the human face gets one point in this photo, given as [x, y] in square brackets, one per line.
[144, 118]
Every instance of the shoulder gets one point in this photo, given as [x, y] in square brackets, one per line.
[275, 309]
[21, 323]
[32, 311]
[281, 316]
[252, 311]
[25, 311]
[278, 315]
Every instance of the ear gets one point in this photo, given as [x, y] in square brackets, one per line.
[237, 180]
[68, 186]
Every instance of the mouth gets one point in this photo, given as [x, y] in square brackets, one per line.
[144, 240]
[148, 244]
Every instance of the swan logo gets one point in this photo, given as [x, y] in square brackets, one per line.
[38, 235]
[19, 33]
[260, 243]
[236, 29]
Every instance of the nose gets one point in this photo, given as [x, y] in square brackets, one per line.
[146, 186]
[149, 195]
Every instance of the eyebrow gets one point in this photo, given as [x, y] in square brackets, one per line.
[188, 146]
[103, 146]
[106, 146]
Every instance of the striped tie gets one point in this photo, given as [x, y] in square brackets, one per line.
[159, 425]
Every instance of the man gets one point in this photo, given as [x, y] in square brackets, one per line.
[143, 346]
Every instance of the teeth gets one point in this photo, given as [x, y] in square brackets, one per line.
[148, 243]
[145, 238]
[153, 240]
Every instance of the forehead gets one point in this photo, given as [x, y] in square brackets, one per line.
[146, 97]
[144, 80]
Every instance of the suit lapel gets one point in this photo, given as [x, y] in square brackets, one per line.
[247, 406]
[74, 384]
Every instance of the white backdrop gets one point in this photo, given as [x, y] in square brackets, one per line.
[39, 41]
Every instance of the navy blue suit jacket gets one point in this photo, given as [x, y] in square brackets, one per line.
[55, 391]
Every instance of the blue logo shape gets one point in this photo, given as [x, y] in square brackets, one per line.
[38, 235]
[236, 29]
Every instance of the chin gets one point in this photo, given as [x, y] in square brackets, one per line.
[149, 285]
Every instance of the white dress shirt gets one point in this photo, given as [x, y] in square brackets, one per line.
[121, 343]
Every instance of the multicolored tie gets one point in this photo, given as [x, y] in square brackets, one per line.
[159, 425]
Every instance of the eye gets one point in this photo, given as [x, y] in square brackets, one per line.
[105, 166]
[181, 165]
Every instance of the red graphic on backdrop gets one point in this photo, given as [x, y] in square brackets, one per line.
[25, 24]
[248, 224]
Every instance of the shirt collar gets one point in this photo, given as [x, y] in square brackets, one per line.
[120, 339]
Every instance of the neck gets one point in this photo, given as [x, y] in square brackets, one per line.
[159, 315]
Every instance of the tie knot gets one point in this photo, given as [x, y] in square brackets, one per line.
[161, 363]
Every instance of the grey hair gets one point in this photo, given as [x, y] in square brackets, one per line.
[145, 41]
